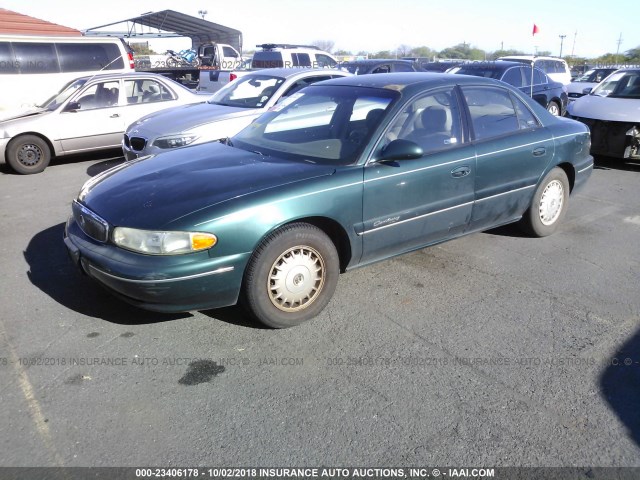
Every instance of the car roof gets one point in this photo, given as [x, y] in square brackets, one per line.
[293, 71]
[530, 57]
[408, 83]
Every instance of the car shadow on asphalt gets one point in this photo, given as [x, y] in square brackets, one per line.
[509, 230]
[620, 385]
[235, 315]
[608, 163]
[51, 270]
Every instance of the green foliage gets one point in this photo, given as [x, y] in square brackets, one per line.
[463, 50]
[342, 52]
[503, 53]
[633, 55]
[424, 52]
[382, 54]
[141, 48]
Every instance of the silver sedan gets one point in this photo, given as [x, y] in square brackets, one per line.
[226, 113]
[89, 113]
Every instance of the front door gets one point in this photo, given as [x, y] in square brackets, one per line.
[408, 204]
[96, 122]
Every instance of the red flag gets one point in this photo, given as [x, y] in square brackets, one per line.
[535, 29]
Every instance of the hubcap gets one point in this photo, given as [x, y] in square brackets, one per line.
[551, 202]
[296, 279]
[554, 110]
[29, 155]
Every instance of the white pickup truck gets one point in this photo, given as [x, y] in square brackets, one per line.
[272, 55]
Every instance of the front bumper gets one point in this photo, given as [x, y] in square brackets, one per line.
[3, 148]
[613, 139]
[173, 283]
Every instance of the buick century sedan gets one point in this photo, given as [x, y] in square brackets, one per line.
[341, 174]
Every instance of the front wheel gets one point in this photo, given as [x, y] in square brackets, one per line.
[291, 276]
[549, 205]
[28, 154]
[553, 108]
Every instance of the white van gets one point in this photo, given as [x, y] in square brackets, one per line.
[282, 55]
[33, 68]
[555, 67]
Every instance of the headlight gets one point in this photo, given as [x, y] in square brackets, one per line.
[162, 243]
[175, 141]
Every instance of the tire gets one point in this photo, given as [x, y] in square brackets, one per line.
[549, 205]
[280, 288]
[553, 108]
[28, 154]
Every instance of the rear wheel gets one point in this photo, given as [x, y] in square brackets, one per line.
[553, 108]
[28, 154]
[291, 276]
[549, 205]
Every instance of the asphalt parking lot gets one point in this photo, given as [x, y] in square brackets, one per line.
[491, 350]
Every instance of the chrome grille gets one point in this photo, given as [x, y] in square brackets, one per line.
[90, 223]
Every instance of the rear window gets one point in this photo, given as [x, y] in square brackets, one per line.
[267, 60]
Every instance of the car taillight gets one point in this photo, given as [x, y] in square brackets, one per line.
[232, 77]
[132, 64]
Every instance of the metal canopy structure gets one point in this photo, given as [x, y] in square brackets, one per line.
[169, 23]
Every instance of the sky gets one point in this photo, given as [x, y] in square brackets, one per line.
[591, 28]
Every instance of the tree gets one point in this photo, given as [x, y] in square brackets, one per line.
[342, 52]
[503, 53]
[633, 55]
[463, 51]
[326, 45]
[381, 54]
[141, 48]
[423, 52]
[403, 50]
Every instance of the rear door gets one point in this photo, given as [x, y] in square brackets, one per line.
[512, 150]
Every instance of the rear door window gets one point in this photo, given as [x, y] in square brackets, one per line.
[492, 112]
[85, 57]
[8, 63]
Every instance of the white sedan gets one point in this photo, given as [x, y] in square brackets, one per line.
[88, 114]
[612, 112]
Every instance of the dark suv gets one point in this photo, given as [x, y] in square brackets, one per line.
[551, 95]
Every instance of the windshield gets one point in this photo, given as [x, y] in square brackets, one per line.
[60, 97]
[594, 75]
[621, 84]
[350, 67]
[319, 124]
[252, 91]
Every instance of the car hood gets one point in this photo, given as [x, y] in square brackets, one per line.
[10, 120]
[606, 108]
[578, 87]
[184, 117]
[152, 192]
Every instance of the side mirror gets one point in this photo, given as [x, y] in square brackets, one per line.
[587, 91]
[72, 107]
[401, 150]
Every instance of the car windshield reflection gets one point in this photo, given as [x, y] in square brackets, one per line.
[321, 124]
[620, 85]
[249, 92]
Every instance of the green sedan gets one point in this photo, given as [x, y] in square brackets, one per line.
[340, 174]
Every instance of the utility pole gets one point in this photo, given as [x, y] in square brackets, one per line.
[562, 37]
[573, 48]
[619, 43]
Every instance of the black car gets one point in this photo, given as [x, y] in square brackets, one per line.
[380, 65]
[551, 95]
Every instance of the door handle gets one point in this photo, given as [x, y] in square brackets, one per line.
[115, 115]
[460, 172]
[538, 152]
